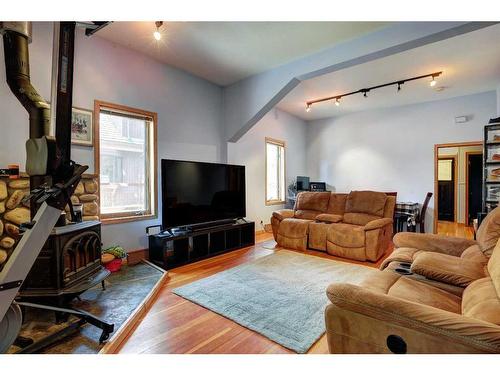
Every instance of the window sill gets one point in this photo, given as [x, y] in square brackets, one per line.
[275, 203]
[126, 219]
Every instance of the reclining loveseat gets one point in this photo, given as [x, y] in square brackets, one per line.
[393, 312]
[357, 225]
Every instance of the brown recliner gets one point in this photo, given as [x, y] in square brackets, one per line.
[389, 312]
[366, 228]
[410, 245]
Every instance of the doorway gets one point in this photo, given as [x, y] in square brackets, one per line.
[457, 187]
[447, 188]
[474, 187]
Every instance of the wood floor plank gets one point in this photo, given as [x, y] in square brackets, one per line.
[176, 325]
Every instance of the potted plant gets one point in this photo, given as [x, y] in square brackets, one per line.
[112, 258]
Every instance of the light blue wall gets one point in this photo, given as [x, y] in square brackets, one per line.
[189, 108]
[393, 149]
[247, 101]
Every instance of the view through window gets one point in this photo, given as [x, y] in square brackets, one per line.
[126, 161]
[275, 171]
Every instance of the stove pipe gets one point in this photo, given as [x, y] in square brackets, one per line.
[16, 36]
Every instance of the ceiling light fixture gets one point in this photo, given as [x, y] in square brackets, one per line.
[157, 34]
[365, 91]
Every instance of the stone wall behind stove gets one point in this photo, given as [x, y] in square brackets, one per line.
[13, 211]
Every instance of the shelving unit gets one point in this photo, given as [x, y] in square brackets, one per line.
[491, 167]
[173, 250]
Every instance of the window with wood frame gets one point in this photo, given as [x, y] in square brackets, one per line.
[275, 171]
[125, 160]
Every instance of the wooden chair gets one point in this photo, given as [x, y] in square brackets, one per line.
[421, 217]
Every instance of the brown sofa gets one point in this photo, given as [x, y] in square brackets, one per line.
[357, 225]
[389, 312]
[408, 246]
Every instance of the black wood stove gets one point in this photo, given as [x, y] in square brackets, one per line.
[68, 265]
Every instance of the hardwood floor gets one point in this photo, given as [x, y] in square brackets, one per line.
[449, 228]
[176, 325]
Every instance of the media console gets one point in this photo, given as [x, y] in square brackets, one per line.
[176, 248]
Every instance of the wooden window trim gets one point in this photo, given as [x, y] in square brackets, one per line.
[152, 141]
[277, 142]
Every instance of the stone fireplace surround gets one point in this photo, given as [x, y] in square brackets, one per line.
[13, 212]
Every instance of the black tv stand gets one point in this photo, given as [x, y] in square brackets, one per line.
[173, 248]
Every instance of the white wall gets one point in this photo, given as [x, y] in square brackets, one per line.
[250, 151]
[189, 108]
[393, 149]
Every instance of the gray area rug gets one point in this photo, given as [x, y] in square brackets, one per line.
[281, 296]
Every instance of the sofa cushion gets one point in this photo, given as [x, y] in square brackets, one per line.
[359, 219]
[488, 232]
[367, 202]
[315, 201]
[317, 236]
[447, 268]
[307, 214]
[392, 284]
[292, 233]
[480, 301]
[390, 205]
[494, 267]
[336, 205]
[474, 253]
[329, 218]
[346, 235]
[294, 228]
[283, 214]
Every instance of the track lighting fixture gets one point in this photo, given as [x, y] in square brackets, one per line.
[365, 91]
[157, 34]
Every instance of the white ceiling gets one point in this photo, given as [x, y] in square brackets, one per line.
[470, 64]
[226, 52]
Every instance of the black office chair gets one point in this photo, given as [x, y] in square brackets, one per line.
[421, 218]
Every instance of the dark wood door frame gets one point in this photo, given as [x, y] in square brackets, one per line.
[467, 153]
[436, 157]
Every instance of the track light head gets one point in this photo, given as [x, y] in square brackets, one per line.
[399, 86]
[308, 107]
[157, 34]
[433, 82]
[365, 93]
[337, 101]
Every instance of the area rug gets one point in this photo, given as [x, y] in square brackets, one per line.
[281, 296]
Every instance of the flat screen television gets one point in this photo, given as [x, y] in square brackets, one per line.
[196, 192]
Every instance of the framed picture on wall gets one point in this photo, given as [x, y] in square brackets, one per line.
[82, 131]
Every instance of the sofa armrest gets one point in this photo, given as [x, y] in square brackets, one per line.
[448, 269]
[425, 329]
[283, 214]
[378, 223]
[329, 218]
[433, 242]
